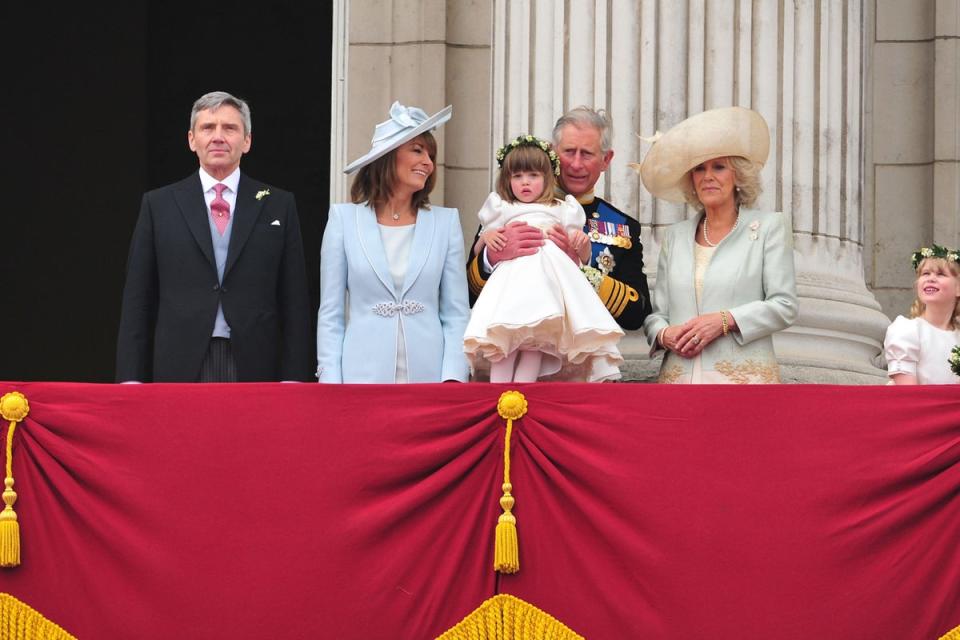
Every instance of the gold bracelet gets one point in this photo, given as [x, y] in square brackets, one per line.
[723, 320]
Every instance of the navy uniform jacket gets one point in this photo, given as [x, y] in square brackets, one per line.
[617, 253]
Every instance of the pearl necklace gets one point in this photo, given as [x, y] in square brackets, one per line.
[706, 238]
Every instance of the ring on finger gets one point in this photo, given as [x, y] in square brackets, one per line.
[696, 339]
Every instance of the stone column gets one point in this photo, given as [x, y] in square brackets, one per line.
[913, 183]
[427, 53]
[946, 100]
[652, 63]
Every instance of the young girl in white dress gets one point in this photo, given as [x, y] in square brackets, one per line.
[537, 315]
[918, 349]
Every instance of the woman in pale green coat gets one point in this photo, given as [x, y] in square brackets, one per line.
[725, 278]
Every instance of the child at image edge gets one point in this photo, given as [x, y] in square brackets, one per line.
[537, 315]
[918, 349]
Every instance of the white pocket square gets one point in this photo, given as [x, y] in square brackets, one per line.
[275, 223]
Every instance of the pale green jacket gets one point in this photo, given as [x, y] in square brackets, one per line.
[751, 276]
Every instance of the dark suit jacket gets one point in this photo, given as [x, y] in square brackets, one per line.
[172, 291]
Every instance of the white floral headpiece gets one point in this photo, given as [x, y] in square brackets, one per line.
[530, 141]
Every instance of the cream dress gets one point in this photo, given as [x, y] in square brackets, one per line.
[916, 347]
[542, 302]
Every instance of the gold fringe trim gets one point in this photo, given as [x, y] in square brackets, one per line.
[505, 617]
[506, 548]
[13, 407]
[19, 621]
[953, 634]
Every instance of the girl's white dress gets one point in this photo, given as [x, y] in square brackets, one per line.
[542, 302]
[916, 347]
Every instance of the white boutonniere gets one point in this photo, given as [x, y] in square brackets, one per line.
[260, 194]
[753, 229]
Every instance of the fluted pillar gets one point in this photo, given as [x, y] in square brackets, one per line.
[652, 63]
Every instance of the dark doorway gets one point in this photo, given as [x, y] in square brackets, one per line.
[101, 103]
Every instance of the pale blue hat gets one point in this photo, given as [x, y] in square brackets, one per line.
[405, 123]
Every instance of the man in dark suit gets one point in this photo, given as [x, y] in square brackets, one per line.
[581, 138]
[216, 286]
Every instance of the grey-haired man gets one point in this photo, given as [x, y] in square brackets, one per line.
[216, 287]
[581, 138]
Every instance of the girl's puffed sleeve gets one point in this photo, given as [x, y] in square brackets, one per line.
[491, 213]
[573, 216]
[901, 347]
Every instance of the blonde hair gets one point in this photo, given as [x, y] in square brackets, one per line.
[950, 267]
[526, 158]
[375, 182]
[747, 181]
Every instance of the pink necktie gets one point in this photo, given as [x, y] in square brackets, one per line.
[220, 209]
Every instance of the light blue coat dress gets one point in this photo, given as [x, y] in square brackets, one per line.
[751, 276]
[361, 311]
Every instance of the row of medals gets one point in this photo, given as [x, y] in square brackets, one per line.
[617, 240]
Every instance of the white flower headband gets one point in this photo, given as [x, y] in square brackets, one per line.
[935, 252]
[530, 141]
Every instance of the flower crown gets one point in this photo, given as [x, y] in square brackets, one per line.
[530, 141]
[936, 252]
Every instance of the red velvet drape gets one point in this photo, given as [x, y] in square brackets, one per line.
[644, 511]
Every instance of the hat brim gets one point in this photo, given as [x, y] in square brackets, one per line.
[430, 123]
[717, 133]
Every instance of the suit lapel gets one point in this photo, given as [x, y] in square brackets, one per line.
[245, 215]
[189, 197]
[372, 246]
[423, 235]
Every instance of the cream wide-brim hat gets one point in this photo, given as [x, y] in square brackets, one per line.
[717, 133]
[405, 123]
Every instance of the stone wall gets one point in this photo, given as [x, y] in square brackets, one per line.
[912, 150]
[425, 53]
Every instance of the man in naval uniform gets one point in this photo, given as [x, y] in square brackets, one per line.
[581, 138]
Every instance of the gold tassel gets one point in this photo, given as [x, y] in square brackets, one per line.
[13, 407]
[506, 552]
[506, 549]
[9, 528]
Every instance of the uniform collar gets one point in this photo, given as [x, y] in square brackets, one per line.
[586, 198]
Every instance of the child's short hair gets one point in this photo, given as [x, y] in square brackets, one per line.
[526, 158]
[950, 266]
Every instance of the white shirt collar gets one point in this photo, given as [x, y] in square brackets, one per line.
[232, 181]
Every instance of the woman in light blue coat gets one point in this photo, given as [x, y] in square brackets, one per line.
[725, 278]
[393, 286]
